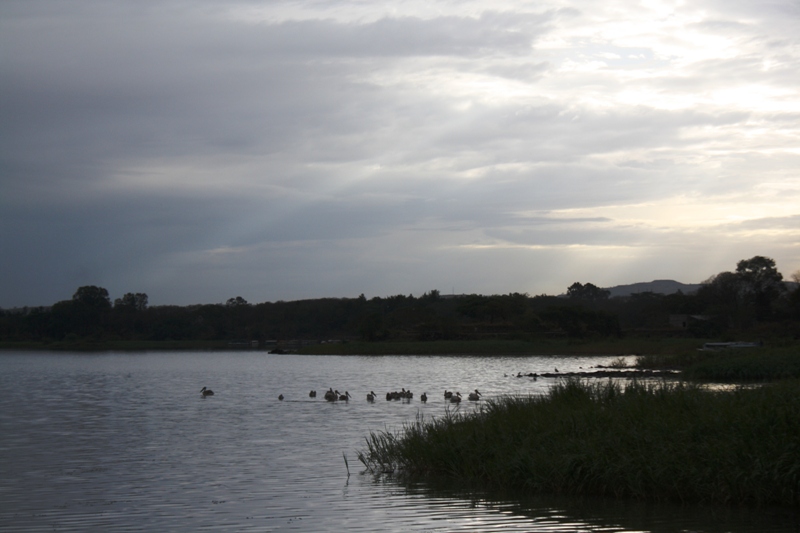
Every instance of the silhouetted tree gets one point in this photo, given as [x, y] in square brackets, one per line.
[92, 297]
[588, 292]
[137, 301]
[760, 284]
[234, 302]
[721, 296]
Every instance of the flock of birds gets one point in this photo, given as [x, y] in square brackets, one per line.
[332, 395]
[335, 396]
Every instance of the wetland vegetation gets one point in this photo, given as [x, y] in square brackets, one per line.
[667, 441]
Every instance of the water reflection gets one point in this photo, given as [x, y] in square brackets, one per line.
[126, 442]
[513, 512]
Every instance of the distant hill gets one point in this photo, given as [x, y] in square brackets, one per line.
[659, 286]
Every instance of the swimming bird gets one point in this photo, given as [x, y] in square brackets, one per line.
[447, 394]
[371, 396]
[455, 398]
[344, 397]
[280, 397]
[331, 396]
[424, 397]
[474, 396]
[312, 394]
[206, 392]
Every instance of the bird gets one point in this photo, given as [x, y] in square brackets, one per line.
[424, 397]
[344, 397]
[455, 397]
[371, 396]
[280, 397]
[447, 394]
[474, 396]
[331, 396]
[312, 394]
[206, 392]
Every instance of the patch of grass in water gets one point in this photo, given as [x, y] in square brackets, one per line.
[658, 442]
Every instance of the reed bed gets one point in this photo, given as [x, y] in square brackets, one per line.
[658, 442]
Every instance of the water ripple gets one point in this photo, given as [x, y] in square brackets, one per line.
[125, 442]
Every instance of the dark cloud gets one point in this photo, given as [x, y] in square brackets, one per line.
[200, 150]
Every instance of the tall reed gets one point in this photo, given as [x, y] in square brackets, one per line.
[642, 440]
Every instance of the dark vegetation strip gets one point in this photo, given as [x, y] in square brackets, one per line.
[655, 442]
[84, 345]
[617, 346]
[752, 303]
[732, 365]
[624, 346]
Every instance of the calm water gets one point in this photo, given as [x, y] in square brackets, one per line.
[125, 442]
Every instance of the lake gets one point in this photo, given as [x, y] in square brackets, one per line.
[125, 441]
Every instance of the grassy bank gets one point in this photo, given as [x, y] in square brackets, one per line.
[736, 365]
[624, 346]
[655, 442]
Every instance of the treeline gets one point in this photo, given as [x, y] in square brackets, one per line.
[752, 299]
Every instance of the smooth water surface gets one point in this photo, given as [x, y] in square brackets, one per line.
[124, 441]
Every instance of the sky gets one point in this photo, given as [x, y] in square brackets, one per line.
[286, 150]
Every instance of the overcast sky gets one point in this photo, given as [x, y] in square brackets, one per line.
[283, 150]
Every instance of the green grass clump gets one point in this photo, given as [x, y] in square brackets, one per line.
[656, 442]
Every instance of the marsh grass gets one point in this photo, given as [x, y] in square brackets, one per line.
[658, 442]
[739, 365]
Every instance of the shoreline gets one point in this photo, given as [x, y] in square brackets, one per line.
[599, 347]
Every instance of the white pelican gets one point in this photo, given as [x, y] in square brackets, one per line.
[206, 392]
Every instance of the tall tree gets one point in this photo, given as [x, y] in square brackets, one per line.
[761, 284]
[92, 297]
[588, 292]
[137, 301]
